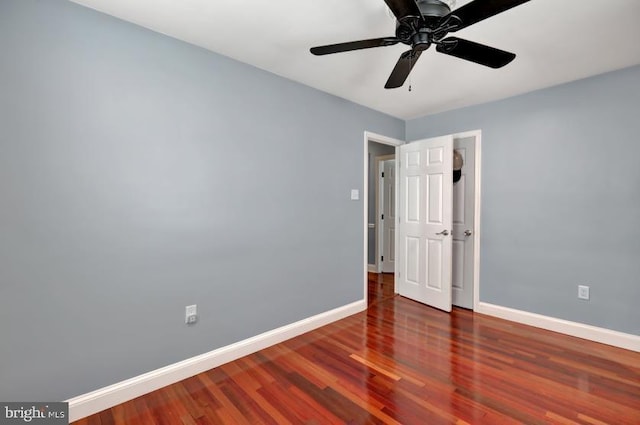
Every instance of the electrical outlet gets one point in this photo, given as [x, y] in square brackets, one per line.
[191, 314]
[583, 292]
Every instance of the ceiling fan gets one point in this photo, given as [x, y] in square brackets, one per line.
[421, 23]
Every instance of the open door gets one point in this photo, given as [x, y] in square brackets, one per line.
[388, 216]
[424, 256]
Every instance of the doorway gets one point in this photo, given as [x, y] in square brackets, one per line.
[376, 256]
[465, 227]
[374, 145]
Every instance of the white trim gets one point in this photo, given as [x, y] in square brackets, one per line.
[372, 268]
[580, 330]
[104, 398]
[396, 269]
[377, 138]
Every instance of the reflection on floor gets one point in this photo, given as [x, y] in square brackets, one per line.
[381, 287]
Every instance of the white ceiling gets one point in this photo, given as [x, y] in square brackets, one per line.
[555, 41]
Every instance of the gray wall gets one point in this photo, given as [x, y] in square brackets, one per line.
[139, 174]
[375, 149]
[560, 198]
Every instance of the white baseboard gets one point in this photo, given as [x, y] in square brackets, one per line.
[580, 330]
[372, 268]
[104, 398]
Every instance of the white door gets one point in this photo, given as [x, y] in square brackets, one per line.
[388, 216]
[423, 270]
[463, 225]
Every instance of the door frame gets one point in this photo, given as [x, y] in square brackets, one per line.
[379, 198]
[385, 140]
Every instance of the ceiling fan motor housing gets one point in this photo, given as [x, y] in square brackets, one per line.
[411, 30]
[421, 40]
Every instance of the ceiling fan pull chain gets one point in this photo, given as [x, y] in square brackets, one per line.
[410, 57]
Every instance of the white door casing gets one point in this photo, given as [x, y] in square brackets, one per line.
[424, 249]
[464, 225]
[388, 216]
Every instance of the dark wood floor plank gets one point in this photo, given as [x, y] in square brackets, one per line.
[401, 362]
[227, 410]
[280, 398]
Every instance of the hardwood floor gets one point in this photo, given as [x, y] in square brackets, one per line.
[401, 362]
[380, 287]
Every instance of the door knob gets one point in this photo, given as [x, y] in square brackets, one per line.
[445, 232]
[467, 232]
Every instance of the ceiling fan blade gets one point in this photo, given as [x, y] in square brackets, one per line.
[402, 69]
[402, 8]
[479, 10]
[475, 52]
[354, 45]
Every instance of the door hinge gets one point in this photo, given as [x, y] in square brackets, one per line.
[382, 258]
[383, 174]
[382, 217]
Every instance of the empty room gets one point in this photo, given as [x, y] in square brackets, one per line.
[319, 212]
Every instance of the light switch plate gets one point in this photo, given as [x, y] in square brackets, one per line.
[191, 314]
[355, 194]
